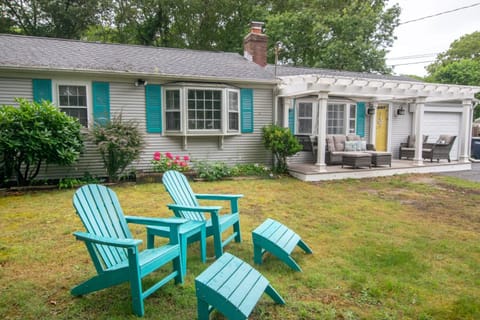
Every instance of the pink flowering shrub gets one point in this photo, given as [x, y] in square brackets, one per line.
[167, 161]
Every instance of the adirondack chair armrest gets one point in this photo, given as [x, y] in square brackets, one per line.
[210, 209]
[163, 222]
[226, 197]
[122, 243]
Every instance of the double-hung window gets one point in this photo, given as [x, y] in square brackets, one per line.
[72, 99]
[336, 118]
[352, 119]
[341, 118]
[172, 109]
[305, 118]
[233, 111]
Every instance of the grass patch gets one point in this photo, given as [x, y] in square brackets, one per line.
[401, 247]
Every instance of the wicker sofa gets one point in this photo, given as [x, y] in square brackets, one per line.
[338, 145]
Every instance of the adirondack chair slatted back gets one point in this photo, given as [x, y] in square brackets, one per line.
[182, 194]
[101, 214]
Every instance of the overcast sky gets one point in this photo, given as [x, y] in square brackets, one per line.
[430, 36]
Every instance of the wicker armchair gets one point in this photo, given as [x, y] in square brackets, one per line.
[407, 149]
[440, 149]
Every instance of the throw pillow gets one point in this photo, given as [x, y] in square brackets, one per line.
[351, 146]
[361, 145]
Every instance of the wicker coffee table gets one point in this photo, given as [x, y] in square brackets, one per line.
[357, 159]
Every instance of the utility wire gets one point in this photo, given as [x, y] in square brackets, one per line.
[416, 56]
[440, 13]
[405, 64]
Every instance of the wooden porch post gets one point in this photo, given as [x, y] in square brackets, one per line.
[322, 130]
[466, 130]
[418, 122]
[287, 102]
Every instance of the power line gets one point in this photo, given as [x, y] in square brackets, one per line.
[439, 14]
[416, 56]
[408, 63]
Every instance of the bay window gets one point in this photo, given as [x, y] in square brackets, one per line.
[201, 110]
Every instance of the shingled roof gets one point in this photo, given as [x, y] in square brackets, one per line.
[36, 53]
[285, 71]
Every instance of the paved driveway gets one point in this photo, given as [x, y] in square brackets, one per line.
[473, 175]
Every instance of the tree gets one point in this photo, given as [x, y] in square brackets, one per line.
[50, 18]
[460, 64]
[119, 142]
[34, 134]
[344, 35]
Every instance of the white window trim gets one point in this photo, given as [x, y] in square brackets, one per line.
[184, 131]
[66, 82]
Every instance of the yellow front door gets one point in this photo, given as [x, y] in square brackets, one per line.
[381, 128]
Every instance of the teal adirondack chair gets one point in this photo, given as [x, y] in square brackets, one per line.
[114, 251]
[187, 206]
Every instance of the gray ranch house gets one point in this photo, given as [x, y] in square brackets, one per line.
[212, 106]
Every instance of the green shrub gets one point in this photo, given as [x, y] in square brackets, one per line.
[282, 143]
[34, 134]
[249, 170]
[119, 142]
[211, 171]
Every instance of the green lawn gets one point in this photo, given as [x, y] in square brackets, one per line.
[405, 247]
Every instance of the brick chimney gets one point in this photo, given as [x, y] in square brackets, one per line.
[255, 44]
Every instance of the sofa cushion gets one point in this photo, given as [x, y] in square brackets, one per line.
[444, 139]
[353, 137]
[339, 142]
[330, 143]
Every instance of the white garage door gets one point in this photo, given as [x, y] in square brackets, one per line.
[437, 123]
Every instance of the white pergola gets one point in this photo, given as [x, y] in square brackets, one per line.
[375, 91]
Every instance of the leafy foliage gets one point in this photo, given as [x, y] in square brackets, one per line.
[282, 143]
[348, 34]
[119, 142]
[460, 64]
[212, 171]
[34, 134]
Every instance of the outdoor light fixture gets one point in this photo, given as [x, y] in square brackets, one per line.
[401, 111]
[140, 82]
[371, 110]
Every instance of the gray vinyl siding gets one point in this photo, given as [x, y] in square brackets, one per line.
[129, 101]
[11, 88]
[401, 128]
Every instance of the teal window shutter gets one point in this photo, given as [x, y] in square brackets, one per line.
[246, 109]
[291, 118]
[153, 105]
[361, 119]
[42, 89]
[101, 102]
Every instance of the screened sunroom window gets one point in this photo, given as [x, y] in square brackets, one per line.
[73, 101]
